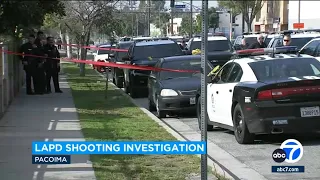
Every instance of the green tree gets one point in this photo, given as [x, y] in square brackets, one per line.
[186, 25]
[159, 15]
[213, 20]
[249, 9]
[26, 15]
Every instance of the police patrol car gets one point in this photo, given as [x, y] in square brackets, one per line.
[265, 94]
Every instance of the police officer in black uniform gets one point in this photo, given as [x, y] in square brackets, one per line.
[29, 63]
[52, 65]
[39, 82]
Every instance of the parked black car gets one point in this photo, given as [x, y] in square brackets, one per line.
[175, 92]
[116, 57]
[146, 54]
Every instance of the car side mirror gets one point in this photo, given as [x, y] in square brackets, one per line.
[111, 55]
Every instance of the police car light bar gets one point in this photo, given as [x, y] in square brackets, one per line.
[262, 51]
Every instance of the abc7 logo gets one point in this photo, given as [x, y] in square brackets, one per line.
[279, 155]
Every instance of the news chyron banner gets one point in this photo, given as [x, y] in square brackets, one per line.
[60, 152]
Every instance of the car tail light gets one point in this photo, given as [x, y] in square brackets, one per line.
[283, 92]
[265, 95]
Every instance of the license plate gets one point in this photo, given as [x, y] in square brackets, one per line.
[193, 100]
[310, 111]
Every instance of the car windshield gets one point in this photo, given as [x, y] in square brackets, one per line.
[300, 42]
[284, 68]
[194, 65]
[157, 51]
[217, 45]
[104, 51]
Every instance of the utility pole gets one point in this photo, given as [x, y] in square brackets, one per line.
[172, 9]
[299, 8]
[137, 21]
[231, 23]
[191, 20]
[204, 73]
[149, 15]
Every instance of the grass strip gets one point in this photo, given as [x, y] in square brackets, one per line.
[118, 119]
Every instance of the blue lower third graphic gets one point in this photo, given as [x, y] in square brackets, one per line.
[170, 147]
[51, 159]
[287, 169]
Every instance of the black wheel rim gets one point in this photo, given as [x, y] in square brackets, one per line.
[239, 123]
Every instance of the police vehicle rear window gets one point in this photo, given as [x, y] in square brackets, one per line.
[284, 68]
[217, 45]
[156, 51]
[300, 42]
[194, 65]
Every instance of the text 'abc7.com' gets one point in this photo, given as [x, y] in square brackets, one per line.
[290, 151]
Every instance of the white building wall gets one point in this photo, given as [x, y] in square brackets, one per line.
[308, 14]
[224, 24]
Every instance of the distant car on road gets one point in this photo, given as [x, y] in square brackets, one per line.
[102, 55]
[312, 48]
[219, 48]
[146, 53]
[265, 94]
[298, 39]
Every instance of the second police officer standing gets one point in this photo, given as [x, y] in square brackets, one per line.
[52, 65]
[40, 71]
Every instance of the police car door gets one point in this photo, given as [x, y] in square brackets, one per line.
[226, 94]
[214, 98]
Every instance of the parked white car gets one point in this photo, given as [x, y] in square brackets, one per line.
[102, 55]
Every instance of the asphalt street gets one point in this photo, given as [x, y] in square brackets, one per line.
[259, 155]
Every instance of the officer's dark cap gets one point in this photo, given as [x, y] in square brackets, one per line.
[39, 33]
[49, 37]
[32, 36]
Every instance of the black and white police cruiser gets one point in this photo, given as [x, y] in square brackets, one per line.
[277, 92]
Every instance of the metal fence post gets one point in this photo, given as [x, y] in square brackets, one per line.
[204, 116]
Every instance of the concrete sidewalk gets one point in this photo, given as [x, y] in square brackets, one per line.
[49, 117]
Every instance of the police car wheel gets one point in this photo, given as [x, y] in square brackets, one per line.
[209, 127]
[241, 132]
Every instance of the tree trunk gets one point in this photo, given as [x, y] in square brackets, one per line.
[83, 54]
[69, 48]
[249, 26]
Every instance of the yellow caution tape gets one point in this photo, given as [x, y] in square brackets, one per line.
[214, 70]
[196, 52]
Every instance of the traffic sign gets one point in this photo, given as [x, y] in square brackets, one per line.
[180, 6]
[298, 25]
